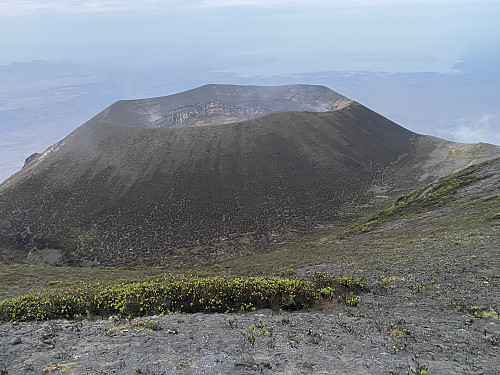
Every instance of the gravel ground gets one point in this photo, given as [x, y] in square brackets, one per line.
[433, 305]
[390, 331]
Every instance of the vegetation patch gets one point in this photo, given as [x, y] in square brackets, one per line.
[387, 282]
[491, 198]
[435, 195]
[482, 312]
[150, 325]
[257, 330]
[352, 301]
[397, 333]
[169, 293]
[418, 367]
[59, 367]
[329, 284]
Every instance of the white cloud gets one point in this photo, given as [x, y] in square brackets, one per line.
[23, 7]
[484, 129]
[323, 3]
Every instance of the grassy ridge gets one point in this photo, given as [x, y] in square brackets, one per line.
[435, 195]
[170, 293]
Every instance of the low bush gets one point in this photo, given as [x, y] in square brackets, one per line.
[329, 284]
[169, 293]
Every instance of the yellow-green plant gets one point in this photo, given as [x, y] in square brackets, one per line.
[161, 295]
[175, 293]
[352, 301]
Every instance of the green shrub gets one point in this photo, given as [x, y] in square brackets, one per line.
[161, 295]
[169, 293]
[352, 301]
[328, 284]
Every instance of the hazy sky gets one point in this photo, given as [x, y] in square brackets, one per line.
[430, 65]
[256, 37]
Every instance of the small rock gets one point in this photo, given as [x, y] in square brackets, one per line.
[308, 365]
[265, 365]
[241, 366]
[15, 341]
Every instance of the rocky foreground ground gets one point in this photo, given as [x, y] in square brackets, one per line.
[432, 308]
[442, 323]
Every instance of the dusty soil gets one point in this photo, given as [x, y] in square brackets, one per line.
[433, 306]
[414, 308]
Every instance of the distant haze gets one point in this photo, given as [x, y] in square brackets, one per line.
[249, 37]
[430, 66]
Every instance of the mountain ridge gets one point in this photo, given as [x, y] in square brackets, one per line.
[113, 194]
[220, 104]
